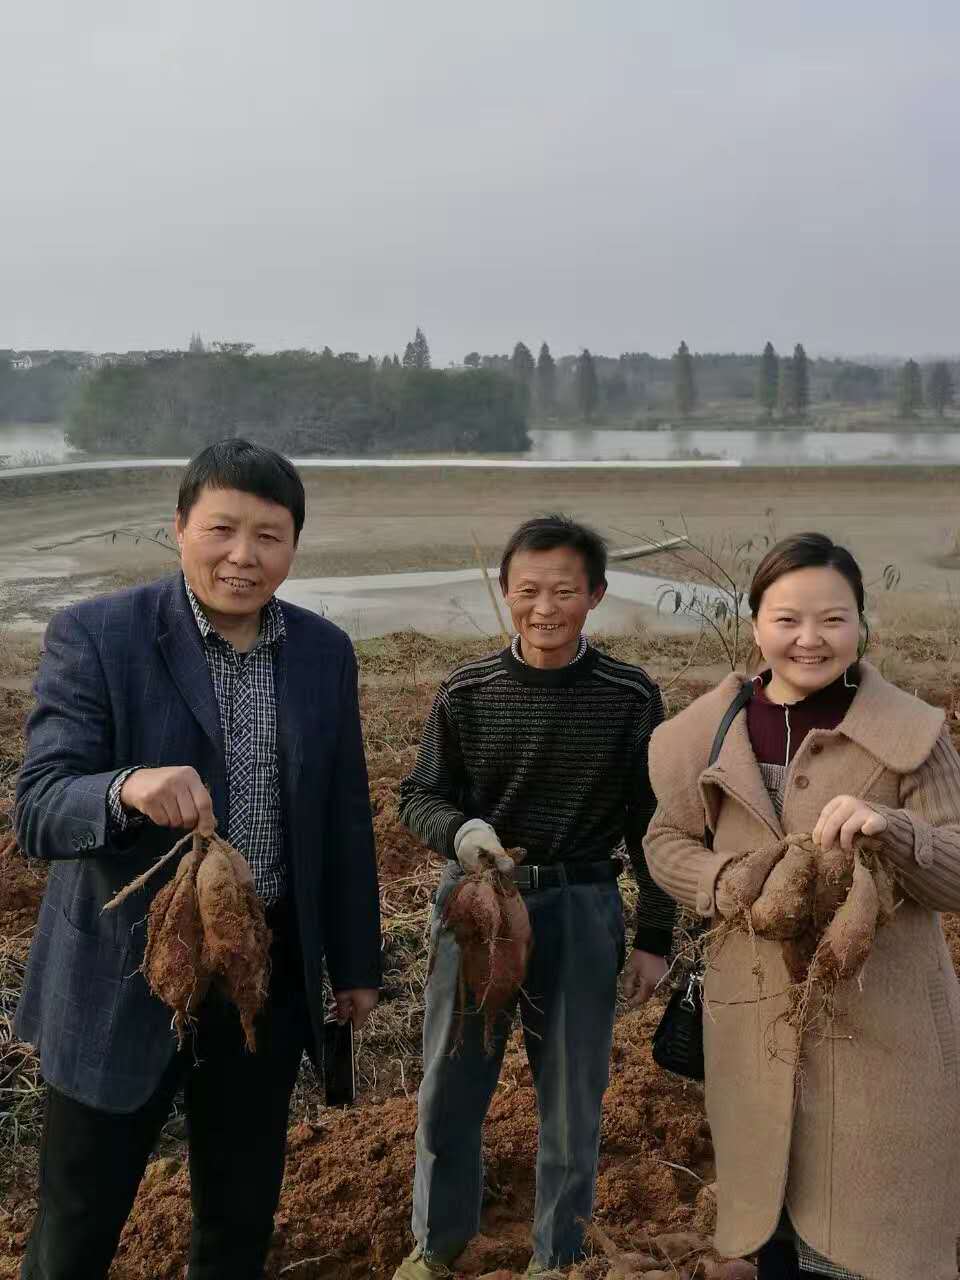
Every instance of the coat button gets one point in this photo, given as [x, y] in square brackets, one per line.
[801, 782]
[704, 904]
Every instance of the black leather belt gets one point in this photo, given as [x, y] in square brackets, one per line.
[556, 875]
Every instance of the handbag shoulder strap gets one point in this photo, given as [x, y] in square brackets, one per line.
[743, 696]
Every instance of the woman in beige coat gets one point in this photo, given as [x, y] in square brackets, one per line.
[838, 1156]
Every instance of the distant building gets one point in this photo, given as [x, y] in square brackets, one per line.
[22, 362]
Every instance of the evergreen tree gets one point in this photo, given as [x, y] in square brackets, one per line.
[196, 347]
[909, 390]
[684, 383]
[396, 361]
[940, 388]
[785, 387]
[794, 387]
[385, 364]
[421, 351]
[546, 380]
[521, 365]
[768, 384]
[586, 385]
[801, 380]
[410, 356]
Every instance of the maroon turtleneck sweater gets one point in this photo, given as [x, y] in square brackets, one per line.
[772, 725]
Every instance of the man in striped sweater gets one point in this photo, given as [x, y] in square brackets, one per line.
[542, 746]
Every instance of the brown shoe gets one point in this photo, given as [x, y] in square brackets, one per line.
[418, 1266]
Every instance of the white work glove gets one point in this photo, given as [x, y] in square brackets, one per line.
[476, 837]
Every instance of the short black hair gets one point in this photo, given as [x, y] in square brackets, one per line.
[251, 468]
[546, 533]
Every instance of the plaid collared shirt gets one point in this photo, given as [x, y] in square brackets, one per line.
[246, 697]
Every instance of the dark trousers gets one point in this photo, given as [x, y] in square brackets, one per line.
[567, 1009]
[237, 1102]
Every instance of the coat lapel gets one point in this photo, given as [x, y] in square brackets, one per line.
[182, 650]
[737, 774]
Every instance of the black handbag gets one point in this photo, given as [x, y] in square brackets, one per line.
[678, 1039]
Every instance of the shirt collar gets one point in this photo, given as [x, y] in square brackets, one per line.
[272, 625]
[581, 650]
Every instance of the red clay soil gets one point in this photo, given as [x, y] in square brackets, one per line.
[398, 852]
[345, 1205]
[21, 889]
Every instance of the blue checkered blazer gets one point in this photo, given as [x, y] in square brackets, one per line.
[124, 680]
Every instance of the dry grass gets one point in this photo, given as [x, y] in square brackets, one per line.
[18, 654]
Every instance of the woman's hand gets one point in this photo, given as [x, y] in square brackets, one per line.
[845, 817]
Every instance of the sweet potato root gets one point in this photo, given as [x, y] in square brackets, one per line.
[173, 959]
[834, 878]
[744, 879]
[490, 922]
[847, 939]
[785, 904]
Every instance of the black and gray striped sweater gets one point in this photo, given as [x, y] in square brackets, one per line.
[555, 761]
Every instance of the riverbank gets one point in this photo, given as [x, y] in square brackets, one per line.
[67, 535]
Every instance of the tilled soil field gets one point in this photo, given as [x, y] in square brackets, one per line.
[345, 1204]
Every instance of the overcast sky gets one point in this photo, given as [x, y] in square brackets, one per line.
[618, 174]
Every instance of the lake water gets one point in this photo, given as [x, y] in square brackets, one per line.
[749, 447]
[26, 444]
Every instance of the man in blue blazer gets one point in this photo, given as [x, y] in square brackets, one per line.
[196, 699]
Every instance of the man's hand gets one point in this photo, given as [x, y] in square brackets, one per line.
[642, 974]
[481, 838]
[356, 1005]
[846, 817]
[172, 797]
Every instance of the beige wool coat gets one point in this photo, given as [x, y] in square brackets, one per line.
[861, 1140]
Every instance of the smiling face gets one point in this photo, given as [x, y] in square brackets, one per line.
[808, 629]
[235, 550]
[549, 596]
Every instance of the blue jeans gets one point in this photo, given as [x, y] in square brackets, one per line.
[567, 1010]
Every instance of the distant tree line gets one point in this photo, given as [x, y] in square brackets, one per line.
[591, 387]
[330, 398]
[299, 402]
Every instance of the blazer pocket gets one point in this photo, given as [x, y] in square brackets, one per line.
[87, 981]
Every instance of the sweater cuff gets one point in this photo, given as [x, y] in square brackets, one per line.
[907, 842]
[658, 942]
[450, 835]
[707, 884]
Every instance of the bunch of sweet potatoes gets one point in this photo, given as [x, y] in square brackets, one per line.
[823, 905]
[205, 926]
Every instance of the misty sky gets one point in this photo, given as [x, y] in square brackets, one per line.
[618, 174]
